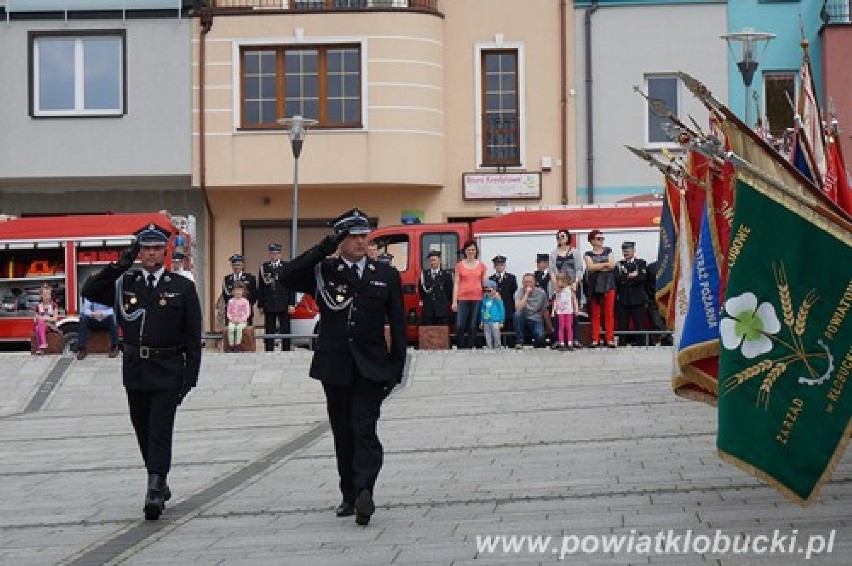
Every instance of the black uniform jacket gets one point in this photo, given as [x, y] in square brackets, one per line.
[542, 280]
[631, 290]
[248, 280]
[352, 336]
[171, 319]
[506, 287]
[436, 292]
[272, 296]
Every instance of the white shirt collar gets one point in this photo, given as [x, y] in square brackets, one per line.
[157, 274]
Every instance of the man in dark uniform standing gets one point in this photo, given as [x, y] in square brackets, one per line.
[357, 368]
[239, 274]
[275, 301]
[160, 317]
[507, 285]
[436, 292]
[542, 273]
[542, 280]
[631, 298]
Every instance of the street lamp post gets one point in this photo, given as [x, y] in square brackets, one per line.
[297, 128]
[748, 39]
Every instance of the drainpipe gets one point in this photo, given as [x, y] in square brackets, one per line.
[563, 70]
[206, 23]
[590, 136]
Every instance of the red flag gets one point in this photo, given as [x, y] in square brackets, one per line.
[696, 195]
[722, 181]
[836, 179]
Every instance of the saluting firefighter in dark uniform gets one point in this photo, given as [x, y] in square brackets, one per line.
[356, 297]
[160, 317]
[239, 274]
[631, 298]
[274, 300]
[507, 285]
[436, 292]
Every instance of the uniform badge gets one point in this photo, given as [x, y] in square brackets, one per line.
[162, 302]
[339, 298]
[166, 278]
[132, 300]
[340, 267]
[371, 267]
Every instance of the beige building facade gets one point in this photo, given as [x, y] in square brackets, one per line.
[409, 96]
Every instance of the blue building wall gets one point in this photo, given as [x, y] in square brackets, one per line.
[786, 19]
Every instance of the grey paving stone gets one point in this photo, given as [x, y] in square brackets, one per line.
[502, 443]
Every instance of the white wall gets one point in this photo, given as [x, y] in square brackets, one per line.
[153, 138]
[627, 43]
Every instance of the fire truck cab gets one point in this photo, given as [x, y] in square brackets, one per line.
[61, 252]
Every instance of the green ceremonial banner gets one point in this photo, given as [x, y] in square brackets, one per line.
[785, 397]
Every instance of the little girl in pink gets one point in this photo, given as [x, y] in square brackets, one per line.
[564, 310]
[46, 312]
[238, 313]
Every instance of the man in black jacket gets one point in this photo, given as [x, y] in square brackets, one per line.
[275, 301]
[353, 360]
[238, 273]
[160, 317]
[436, 292]
[631, 297]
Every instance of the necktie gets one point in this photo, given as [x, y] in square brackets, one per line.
[151, 279]
[355, 271]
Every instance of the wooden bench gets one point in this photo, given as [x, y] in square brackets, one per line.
[434, 337]
[247, 345]
[98, 342]
[55, 342]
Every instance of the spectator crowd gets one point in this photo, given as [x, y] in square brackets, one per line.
[545, 306]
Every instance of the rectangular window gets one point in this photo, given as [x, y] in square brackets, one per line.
[501, 108]
[445, 242]
[779, 96]
[77, 75]
[665, 89]
[318, 82]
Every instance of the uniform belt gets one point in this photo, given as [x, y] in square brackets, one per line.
[150, 352]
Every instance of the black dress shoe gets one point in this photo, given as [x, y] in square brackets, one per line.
[154, 501]
[364, 507]
[345, 509]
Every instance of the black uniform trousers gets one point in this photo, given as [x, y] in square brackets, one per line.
[152, 413]
[624, 315]
[276, 323]
[353, 411]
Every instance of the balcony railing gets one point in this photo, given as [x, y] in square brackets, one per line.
[320, 5]
[835, 11]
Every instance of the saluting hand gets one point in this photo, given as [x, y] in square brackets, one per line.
[329, 244]
[128, 255]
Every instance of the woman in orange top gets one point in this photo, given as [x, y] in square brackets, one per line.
[468, 282]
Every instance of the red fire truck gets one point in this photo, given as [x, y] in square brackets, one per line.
[61, 252]
[518, 235]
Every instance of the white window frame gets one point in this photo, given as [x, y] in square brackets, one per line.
[478, 48]
[647, 111]
[79, 76]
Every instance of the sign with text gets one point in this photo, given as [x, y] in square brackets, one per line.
[492, 186]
